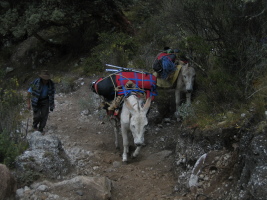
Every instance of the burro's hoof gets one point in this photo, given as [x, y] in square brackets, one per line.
[124, 158]
[178, 117]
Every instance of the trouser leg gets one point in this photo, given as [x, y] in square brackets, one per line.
[36, 118]
[44, 114]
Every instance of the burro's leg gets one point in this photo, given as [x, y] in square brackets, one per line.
[115, 122]
[124, 132]
[137, 151]
[177, 103]
[188, 98]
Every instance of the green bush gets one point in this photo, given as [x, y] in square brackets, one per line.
[10, 148]
[27, 178]
[12, 143]
[92, 65]
[67, 84]
[114, 48]
[220, 89]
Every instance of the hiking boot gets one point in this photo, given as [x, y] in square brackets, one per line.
[34, 128]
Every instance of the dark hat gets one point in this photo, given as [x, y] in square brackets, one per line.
[44, 75]
[166, 48]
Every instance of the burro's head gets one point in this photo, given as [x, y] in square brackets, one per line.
[189, 75]
[138, 120]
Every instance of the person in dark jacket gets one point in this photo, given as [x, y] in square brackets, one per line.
[41, 96]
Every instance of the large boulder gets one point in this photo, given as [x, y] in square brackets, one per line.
[7, 184]
[45, 156]
[79, 187]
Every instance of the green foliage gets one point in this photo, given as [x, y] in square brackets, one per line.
[28, 18]
[196, 44]
[259, 98]
[66, 84]
[186, 111]
[10, 104]
[27, 178]
[10, 148]
[220, 89]
[114, 48]
[11, 142]
[92, 65]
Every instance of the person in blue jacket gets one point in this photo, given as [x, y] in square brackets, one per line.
[41, 96]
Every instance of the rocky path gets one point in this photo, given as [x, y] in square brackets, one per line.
[87, 137]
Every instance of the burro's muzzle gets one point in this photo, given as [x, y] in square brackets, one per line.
[139, 141]
[138, 128]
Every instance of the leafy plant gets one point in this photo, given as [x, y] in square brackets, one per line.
[10, 148]
[66, 84]
[11, 140]
[113, 48]
[27, 178]
[186, 111]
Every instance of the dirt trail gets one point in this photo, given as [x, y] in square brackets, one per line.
[150, 176]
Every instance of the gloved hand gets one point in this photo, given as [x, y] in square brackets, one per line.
[51, 109]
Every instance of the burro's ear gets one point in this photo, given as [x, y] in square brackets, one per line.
[147, 105]
[129, 106]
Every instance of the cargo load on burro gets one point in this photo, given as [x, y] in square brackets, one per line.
[127, 94]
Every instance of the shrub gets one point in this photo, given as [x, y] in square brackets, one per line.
[220, 88]
[10, 148]
[259, 97]
[65, 84]
[114, 48]
[10, 104]
[11, 140]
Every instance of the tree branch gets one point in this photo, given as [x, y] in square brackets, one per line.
[256, 92]
[252, 17]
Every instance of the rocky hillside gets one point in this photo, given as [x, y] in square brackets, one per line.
[77, 159]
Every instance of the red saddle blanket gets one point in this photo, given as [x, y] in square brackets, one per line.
[142, 80]
[145, 82]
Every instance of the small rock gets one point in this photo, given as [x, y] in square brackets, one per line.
[9, 69]
[167, 120]
[160, 126]
[26, 188]
[43, 188]
[79, 192]
[20, 192]
[116, 164]
[243, 115]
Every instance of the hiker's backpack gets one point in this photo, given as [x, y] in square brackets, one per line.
[164, 65]
[157, 65]
[167, 67]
